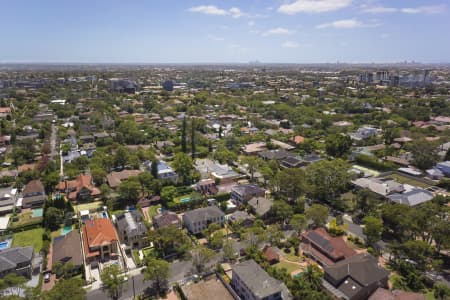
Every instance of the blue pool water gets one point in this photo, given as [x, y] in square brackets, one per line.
[185, 200]
[66, 230]
[38, 212]
[5, 244]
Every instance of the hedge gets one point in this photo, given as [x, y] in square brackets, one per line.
[373, 163]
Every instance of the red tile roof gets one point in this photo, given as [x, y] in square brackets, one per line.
[73, 187]
[96, 233]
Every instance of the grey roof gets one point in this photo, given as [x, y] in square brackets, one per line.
[203, 213]
[261, 205]
[247, 189]
[167, 218]
[10, 258]
[67, 248]
[132, 223]
[274, 154]
[361, 270]
[413, 197]
[256, 279]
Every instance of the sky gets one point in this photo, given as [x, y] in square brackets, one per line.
[213, 31]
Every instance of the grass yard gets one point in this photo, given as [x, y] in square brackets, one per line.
[406, 180]
[178, 199]
[430, 295]
[153, 210]
[291, 256]
[88, 206]
[31, 237]
[290, 267]
[26, 218]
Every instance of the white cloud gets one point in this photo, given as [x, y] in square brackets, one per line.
[208, 10]
[251, 23]
[429, 10]
[342, 24]
[278, 31]
[234, 12]
[379, 10]
[313, 6]
[290, 44]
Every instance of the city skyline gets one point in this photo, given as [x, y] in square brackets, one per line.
[295, 31]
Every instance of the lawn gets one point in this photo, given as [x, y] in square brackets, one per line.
[290, 267]
[407, 180]
[31, 237]
[291, 255]
[430, 295]
[153, 210]
[88, 206]
[26, 218]
[178, 199]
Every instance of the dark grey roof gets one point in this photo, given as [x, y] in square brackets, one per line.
[319, 240]
[261, 205]
[10, 258]
[166, 218]
[363, 268]
[256, 279]
[67, 248]
[274, 154]
[203, 213]
[247, 189]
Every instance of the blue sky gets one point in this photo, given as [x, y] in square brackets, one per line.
[188, 31]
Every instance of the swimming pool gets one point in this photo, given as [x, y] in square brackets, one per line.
[185, 200]
[66, 230]
[5, 244]
[38, 212]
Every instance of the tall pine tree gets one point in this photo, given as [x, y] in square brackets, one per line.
[183, 137]
[193, 138]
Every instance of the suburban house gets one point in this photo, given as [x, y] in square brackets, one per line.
[8, 197]
[198, 219]
[260, 206]
[79, 189]
[444, 167]
[167, 218]
[67, 249]
[412, 196]
[278, 154]
[131, 229]
[213, 169]
[323, 248]
[33, 194]
[355, 278]
[206, 187]
[244, 192]
[363, 133]
[17, 260]
[241, 217]
[379, 186]
[100, 240]
[115, 178]
[165, 172]
[250, 281]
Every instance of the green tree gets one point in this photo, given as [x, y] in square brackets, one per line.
[64, 288]
[252, 163]
[112, 281]
[15, 282]
[183, 136]
[98, 175]
[318, 214]
[328, 179]
[228, 249]
[441, 291]
[201, 256]
[154, 168]
[157, 271]
[183, 165]
[146, 182]
[299, 222]
[53, 217]
[373, 229]
[168, 193]
[338, 145]
[129, 190]
[50, 181]
[121, 157]
[291, 182]
[193, 141]
[169, 240]
[281, 211]
[424, 154]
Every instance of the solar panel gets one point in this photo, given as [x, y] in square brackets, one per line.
[322, 242]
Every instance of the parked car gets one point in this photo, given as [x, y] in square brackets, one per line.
[47, 277]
